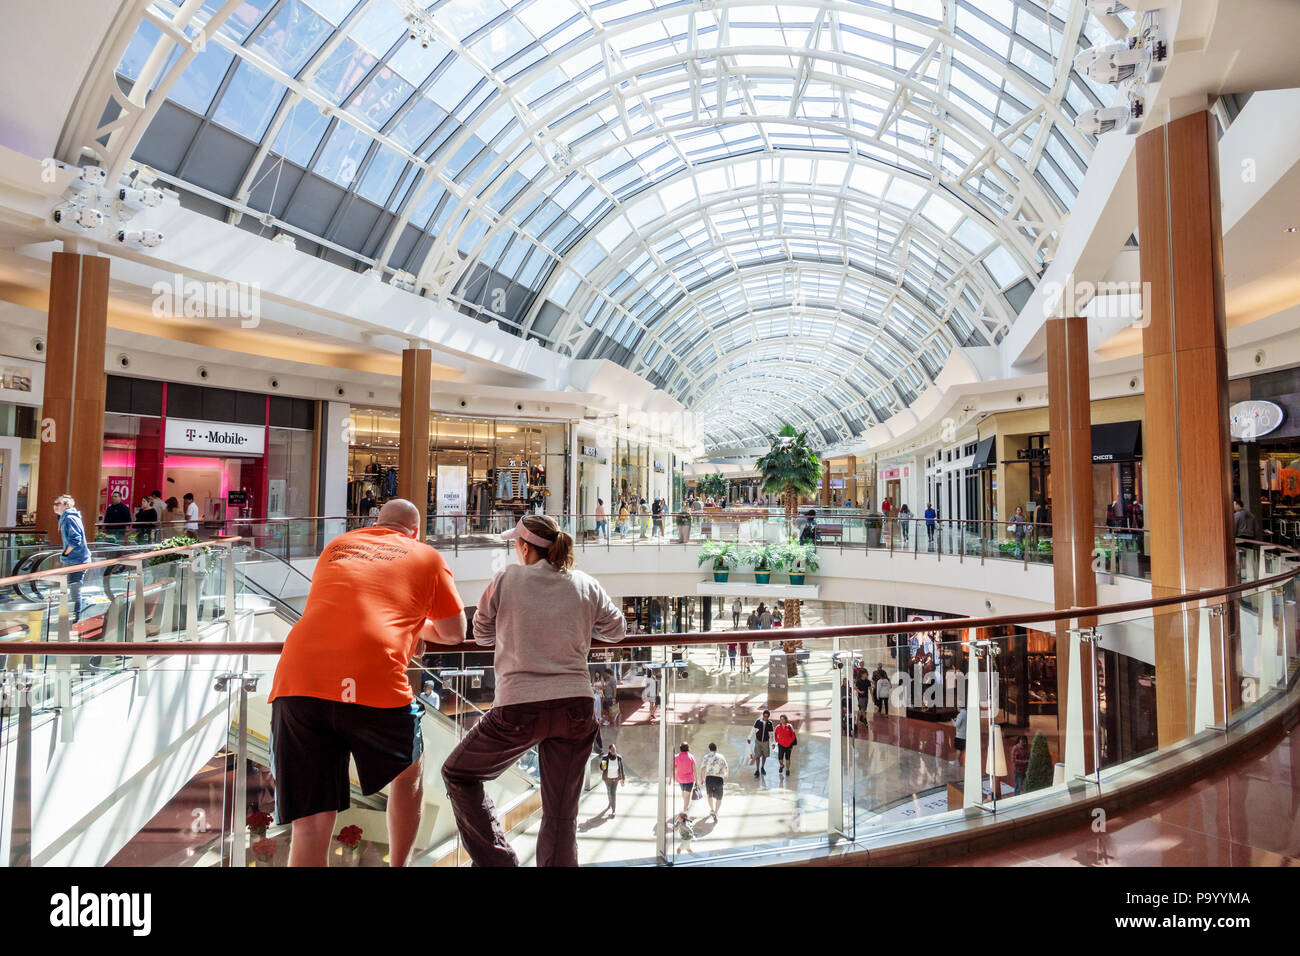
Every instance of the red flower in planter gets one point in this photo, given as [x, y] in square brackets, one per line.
[349, 836]
[264, 849]
[257, 820]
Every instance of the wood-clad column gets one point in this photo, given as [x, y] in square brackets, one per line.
[1070, 425]
[851, 482]
[72, 430]
[413, 440]
[1185, 443]
[826, 482]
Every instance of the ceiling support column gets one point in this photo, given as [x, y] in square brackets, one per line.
[1186, 449]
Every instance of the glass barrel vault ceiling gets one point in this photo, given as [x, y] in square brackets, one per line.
[776, 212]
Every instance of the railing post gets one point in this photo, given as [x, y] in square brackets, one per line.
[1203, 713]
[230, 591]
[835, 788]
[137, 613]
[661, 832]
[241, 767]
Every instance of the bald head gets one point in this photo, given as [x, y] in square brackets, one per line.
[400, 515]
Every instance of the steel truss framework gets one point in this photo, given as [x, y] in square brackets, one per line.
[802, 206]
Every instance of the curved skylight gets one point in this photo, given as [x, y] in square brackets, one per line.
[801, 207]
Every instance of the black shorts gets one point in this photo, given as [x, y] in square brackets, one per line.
[713, 787]
[959, 743]
[311, 739]
[687, 787]
[784, 753]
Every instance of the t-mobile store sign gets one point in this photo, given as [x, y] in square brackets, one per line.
[215, 438]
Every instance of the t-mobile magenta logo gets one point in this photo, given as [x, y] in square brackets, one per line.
[190, 433]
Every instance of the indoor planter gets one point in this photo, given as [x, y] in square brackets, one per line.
[760, 558]
[797, 560]
[683, 521]
[875, 521]
[724, 557]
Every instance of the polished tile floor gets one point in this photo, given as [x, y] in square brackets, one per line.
[1245, 814]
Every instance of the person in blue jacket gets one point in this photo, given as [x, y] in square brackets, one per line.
[72, 530]
[930, 515]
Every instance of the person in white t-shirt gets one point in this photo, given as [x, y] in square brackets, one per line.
[651, 694]
[191, 515]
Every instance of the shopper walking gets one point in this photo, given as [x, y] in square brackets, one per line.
[72, 532]
[731, 656]
[930, 516]
[1018, 525]
[736, 608]
[1020, 761]
[611, 773]
[658, 511]
[621, 525]
[609, 688]
[761, 739]
[602, 526]
[684, 774]
[959, 734]
[173, 518]
[541, 615]
[715, 771]
[745, 659]
[764, 618]
[117, 516]
[341, 687]
[905, 521]
[146, 521]
[883, 688]
[192, 515]
[651, 694]
[786, 740]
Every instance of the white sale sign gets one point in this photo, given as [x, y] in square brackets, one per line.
[452, 498]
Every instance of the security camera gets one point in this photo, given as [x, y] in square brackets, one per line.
[148, 238]
[1133, 383]
[463, 403]
[519, 406]
[90, 177]
[1097, 122]
[145, 198]
[1105, 8]
[124, 361]
[1259, 357]
[1114, 63]
[1020, 398]
[38, 345]
[78, 216]
[274, 383]
[203, 371]
[339, 391]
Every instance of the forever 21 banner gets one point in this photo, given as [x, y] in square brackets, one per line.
[215, 438]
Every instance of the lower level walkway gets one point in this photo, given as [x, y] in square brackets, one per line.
[1245, 814]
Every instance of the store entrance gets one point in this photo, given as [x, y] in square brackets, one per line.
[225, 489]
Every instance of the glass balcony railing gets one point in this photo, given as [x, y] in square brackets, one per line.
[1149, 685]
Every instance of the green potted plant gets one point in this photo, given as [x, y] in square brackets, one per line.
[724, 557]
[797, 560]
[760, 558]
[1039, 773]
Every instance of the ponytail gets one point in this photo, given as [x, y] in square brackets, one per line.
[560, 553]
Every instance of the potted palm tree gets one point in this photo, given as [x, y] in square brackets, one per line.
[790, 469]
[797, 560]
[760, 557]
[875, 521]
[683, 522]
[724, 557]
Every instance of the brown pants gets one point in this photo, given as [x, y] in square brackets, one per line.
[563, 731]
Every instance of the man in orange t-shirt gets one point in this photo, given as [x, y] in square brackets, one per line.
[341, 688]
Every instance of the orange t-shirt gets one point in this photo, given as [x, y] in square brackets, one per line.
[371, 592]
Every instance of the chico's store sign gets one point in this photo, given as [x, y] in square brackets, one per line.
[183, 435]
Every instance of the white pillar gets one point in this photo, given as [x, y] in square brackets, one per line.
[572, 504]
[974, 786]
[1074, 760]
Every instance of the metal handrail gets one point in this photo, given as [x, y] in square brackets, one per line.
[120, 559]
[692, 638]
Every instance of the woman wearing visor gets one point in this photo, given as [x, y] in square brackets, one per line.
[541, 615]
